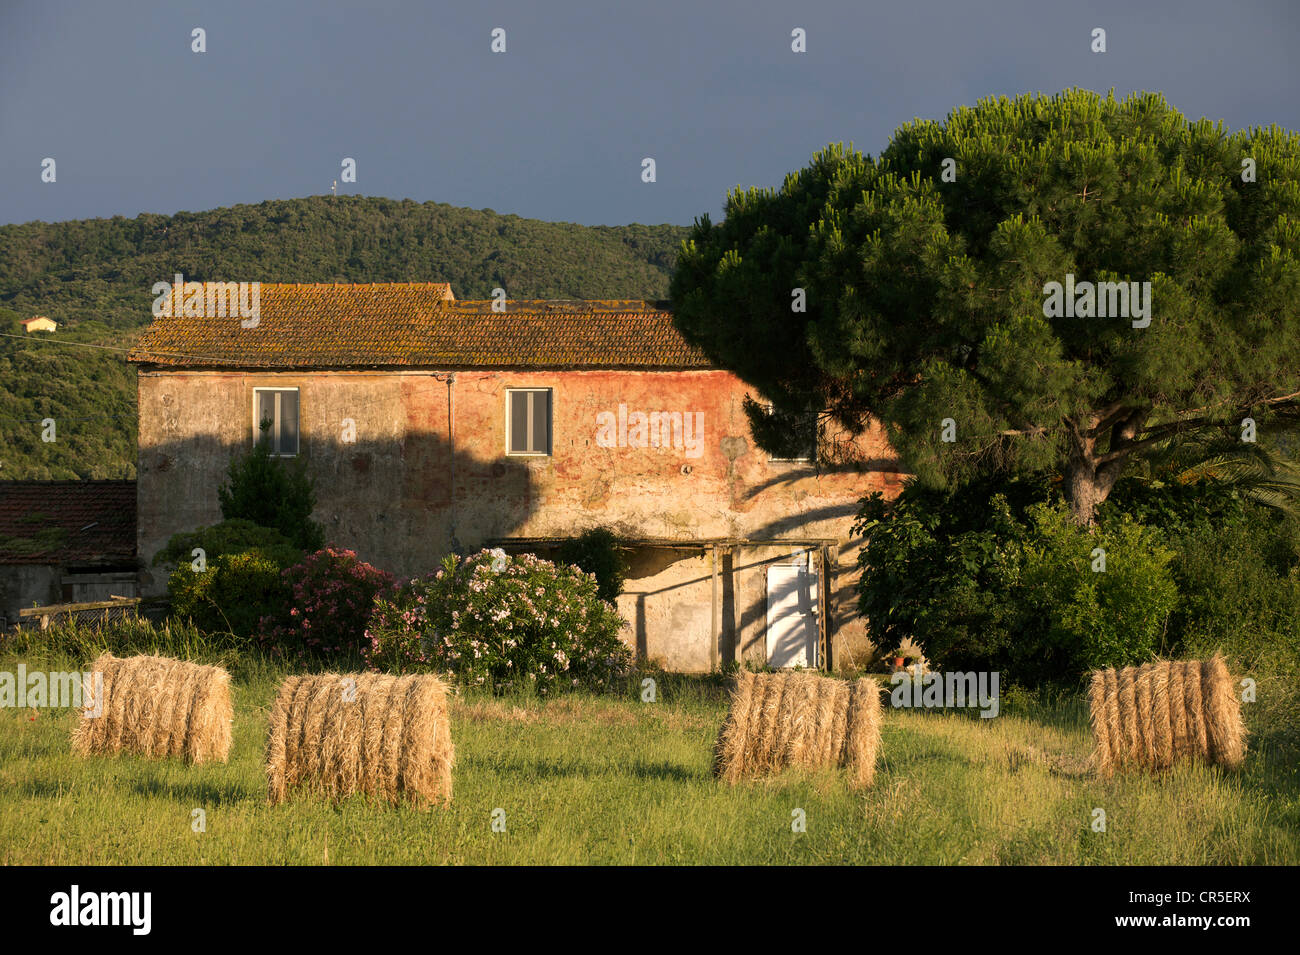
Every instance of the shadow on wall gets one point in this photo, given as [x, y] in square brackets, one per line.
[401, 504]
[887, 467]
[742, 600]
[806, 523]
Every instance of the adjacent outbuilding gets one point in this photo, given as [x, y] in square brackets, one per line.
[65, 542]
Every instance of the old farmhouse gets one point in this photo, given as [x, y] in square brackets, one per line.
[432, 425]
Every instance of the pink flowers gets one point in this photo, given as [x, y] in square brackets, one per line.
[493, 617]
[334, 592]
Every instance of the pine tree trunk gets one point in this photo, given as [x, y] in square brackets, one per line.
[1084, 490]
[1089, 475]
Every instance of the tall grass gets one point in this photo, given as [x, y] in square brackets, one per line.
[586, 778]
[131, 635]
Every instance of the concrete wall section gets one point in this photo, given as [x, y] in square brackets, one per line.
[23, 585]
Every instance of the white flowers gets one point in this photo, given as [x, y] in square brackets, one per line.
[499, 560]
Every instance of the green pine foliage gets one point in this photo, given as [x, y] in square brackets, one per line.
[272, 492]
[925, 294]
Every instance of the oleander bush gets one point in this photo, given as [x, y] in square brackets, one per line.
[332, 593]
[499, 620]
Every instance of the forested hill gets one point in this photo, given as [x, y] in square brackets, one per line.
[94, 277]
[104, 268]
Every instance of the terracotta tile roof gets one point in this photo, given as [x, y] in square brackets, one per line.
[396, 325]
[62, 522]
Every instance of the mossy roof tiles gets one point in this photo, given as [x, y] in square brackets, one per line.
[419, 325]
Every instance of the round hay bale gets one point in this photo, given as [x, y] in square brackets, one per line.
[158, 707]
[784, 719]
[1156, 715]
[386, 736]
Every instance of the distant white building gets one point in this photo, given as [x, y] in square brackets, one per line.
[39, 323]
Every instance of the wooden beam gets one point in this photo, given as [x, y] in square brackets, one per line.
[714, 627]
[685, 544]
[826, 632]
[50, 609]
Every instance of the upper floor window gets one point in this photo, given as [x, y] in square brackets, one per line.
[275, 416]
[528, 421]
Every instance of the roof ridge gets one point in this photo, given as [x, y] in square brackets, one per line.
[357, 284]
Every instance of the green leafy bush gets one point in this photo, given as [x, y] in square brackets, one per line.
[272, 492]
[1240, 580]
[932, 569]
[497, 620]
[1086, 600]
[996, 576]
[232, 595]
[597, 552]
[229, 537]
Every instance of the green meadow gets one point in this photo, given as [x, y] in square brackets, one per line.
[609, 779]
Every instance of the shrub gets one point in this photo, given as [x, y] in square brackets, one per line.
[992, 576]
[332, 593]
[1075, 616]
[229, 537]
[274, 493]
[931, 569]
[597, 552]
[498, 620]
[1240, 581]
[232, 595]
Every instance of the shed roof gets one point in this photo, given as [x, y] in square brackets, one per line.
[67, 522]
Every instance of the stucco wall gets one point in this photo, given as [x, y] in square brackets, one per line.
[669, 602]
[401, 498]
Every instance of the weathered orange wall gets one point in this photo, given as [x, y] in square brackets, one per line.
[401, 498]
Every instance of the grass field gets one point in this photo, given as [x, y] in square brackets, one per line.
[608, 779]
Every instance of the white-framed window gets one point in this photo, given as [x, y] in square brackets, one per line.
[528, 421]
[805, 425]
[277, 409]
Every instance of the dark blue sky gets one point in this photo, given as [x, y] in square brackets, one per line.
[556, 127]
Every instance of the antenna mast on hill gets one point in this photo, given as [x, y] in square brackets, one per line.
[334, 188]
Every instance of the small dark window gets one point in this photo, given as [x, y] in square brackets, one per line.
[277, 418]
[528, 421]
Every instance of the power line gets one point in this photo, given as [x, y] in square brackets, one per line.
[170, 354]
[55, 341]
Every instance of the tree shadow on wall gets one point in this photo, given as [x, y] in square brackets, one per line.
[401, 504]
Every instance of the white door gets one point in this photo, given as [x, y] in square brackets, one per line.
[791, 616]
